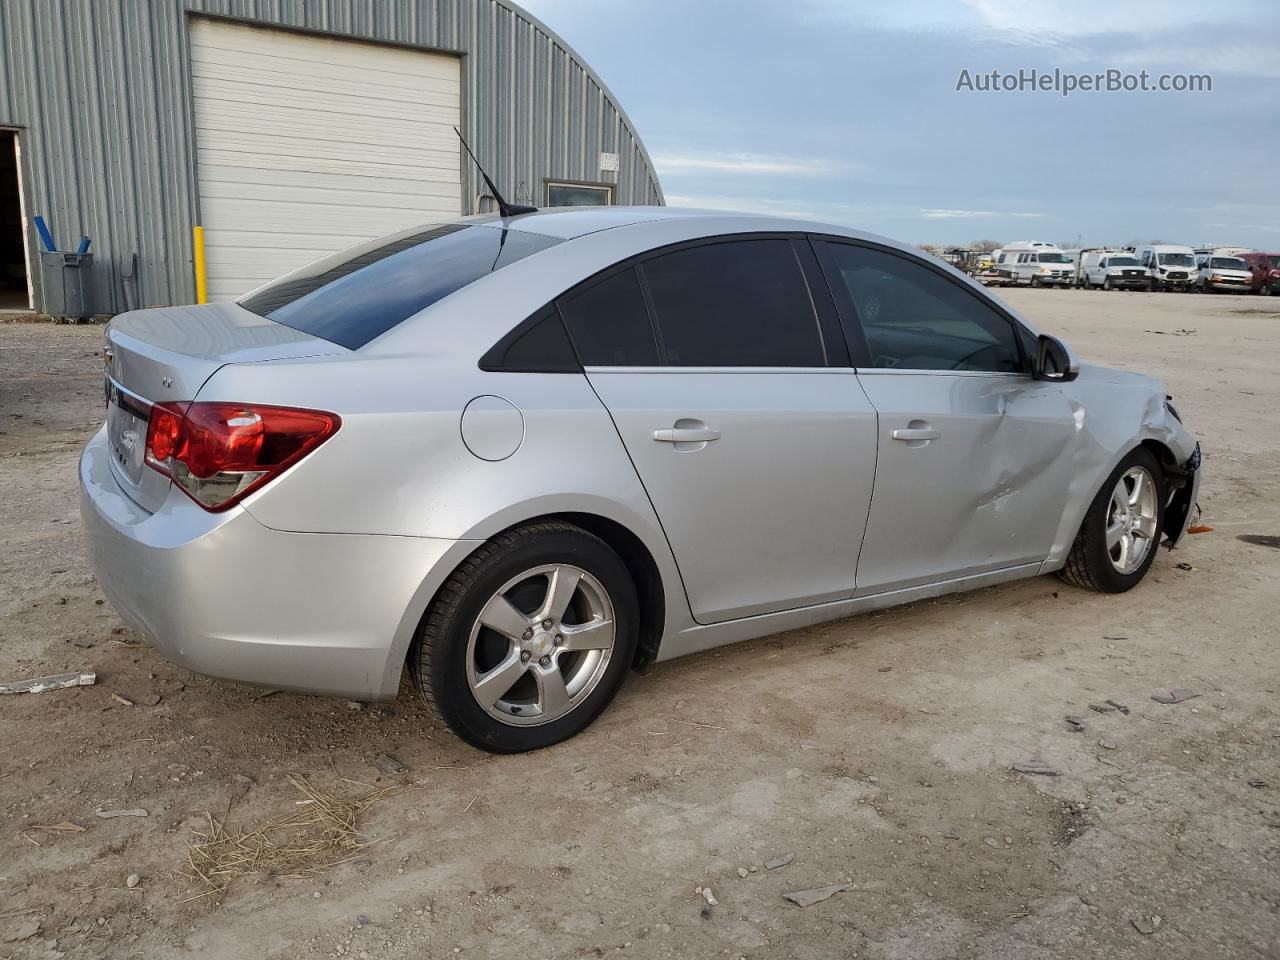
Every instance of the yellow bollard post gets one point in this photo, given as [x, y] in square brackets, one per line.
[202, 288]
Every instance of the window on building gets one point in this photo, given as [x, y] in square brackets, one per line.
[578, 194]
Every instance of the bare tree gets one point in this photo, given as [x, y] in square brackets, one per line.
[986, 246]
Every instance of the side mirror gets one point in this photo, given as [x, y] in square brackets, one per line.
[1055, 361]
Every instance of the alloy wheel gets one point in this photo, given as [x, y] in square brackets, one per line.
[1131, 520]
[540, 645]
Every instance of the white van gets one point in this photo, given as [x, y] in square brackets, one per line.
[1218, 272]
[1034, 263]
[1109, 269]
[1222, 251]
[1169, 266]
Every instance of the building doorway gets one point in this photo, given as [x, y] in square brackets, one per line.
[15, 288]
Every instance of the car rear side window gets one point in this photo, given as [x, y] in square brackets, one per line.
[735, 303]
[608, 323]
[914, 318]
[361, 293]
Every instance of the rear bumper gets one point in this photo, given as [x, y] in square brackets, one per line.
[225, 596]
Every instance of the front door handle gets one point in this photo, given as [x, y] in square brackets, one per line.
[917, 433]
[686, 435]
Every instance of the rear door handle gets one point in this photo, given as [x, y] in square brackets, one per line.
[686, 435]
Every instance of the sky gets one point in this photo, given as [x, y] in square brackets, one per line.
[849, 112]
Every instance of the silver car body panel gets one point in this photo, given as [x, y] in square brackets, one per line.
[972, 499]
[318, 580]
[769, 513]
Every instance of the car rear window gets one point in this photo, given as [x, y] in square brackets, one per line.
[363, 292]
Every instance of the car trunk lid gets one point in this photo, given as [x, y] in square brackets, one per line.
[166, 355]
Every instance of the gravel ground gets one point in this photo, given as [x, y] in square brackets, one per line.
[877, 750]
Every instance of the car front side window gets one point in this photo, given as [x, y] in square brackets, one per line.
[914, 318]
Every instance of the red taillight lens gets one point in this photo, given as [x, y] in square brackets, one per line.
[218, 453]
[164, 431]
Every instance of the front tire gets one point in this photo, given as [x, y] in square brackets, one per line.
[529, 639]
[1118, 539]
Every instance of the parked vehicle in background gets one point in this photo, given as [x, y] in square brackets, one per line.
[1111, 269]
[1034, 263]
[1265, 271]
[517, 456]
[985, 270]
[1222, 251]
[1169, 266]
[1222, 273]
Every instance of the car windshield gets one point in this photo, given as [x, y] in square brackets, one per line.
[1122, 262]
[361, 293]
[1273, 263]
[1176, 259]
[1227, 263]
[1054, 258]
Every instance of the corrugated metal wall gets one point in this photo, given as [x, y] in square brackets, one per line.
[100, 92]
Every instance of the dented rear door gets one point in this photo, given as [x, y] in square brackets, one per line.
[972, 475]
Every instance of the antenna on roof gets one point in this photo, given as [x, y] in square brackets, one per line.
[504, 209]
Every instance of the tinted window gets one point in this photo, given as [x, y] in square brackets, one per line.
[538, 345]
[917, 319]
[609, 323]
[358, 294]
[741, 303]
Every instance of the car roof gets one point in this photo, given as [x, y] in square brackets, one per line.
[616, 234]
[569, 223]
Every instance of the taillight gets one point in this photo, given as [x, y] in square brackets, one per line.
[218, 453]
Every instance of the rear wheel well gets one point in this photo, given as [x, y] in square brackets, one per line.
[639, 563]
[644, 570]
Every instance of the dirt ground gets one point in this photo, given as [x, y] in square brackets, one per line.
[876, 750]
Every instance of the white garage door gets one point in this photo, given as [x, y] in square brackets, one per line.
[310, 144]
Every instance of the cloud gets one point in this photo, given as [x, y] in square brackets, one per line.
[1264, 227]
[1034, 22]
[743, 163]
[765, 205]
[936, 214]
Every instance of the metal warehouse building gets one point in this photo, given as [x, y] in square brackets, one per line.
[284, 129]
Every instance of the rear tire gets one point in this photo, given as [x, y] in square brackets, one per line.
[502, 656]
[1099, 559]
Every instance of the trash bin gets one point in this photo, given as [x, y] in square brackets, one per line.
[66, 279]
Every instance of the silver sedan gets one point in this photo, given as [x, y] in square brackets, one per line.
[521, 456]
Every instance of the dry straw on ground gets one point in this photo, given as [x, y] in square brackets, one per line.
[322, 832]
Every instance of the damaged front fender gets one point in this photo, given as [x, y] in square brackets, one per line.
[1119, 411]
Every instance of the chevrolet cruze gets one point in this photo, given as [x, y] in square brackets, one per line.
[519, 456]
